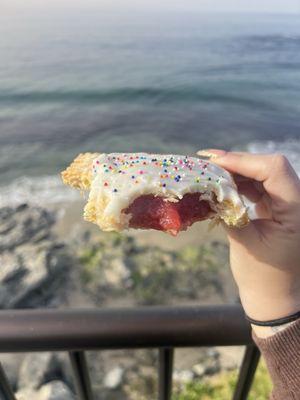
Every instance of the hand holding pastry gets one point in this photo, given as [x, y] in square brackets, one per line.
[265, 255]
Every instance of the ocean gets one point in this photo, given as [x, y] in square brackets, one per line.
[160, 82]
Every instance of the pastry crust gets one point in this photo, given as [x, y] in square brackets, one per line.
[115, 180]
[80, 173]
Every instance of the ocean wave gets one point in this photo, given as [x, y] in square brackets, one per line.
[132, 95]
[43, 190]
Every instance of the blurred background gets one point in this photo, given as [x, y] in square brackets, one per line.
[85, 75]
[132, 76]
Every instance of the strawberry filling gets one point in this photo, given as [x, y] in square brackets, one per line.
[150, 212]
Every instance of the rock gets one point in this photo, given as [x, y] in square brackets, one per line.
[23, 224]
[11, 274]
[25, 394]
[11, 267]
[212, 366]
[7, 223]
[33, 263]
[65, 369]
[183, 376]
[116, 273]
[11, 364]
[55, 390]
[36, 369]
[213, 353]
[198, 369]
[147, 371]
[208, 363]
[113, 379]
[230, 357]
[30, 275]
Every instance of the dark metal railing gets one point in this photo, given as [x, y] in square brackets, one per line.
[164, 328]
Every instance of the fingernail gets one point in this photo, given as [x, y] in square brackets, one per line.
[211, 153]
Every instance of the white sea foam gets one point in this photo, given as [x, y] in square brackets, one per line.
[41, 190]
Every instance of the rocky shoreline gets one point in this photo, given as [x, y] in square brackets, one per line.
[33, 261]
[39, 269]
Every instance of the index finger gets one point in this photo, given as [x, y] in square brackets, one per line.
[273, 170]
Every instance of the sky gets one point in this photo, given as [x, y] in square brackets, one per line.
[257, 6]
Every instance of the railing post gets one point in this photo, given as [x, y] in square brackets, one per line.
[165, 370]
[247, 372]
[6, 392]
[81, 375]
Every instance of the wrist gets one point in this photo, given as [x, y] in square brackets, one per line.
[266, 307]
[267, 331]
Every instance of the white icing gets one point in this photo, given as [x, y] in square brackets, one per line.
[122, 177]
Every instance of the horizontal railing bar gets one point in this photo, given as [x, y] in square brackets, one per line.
[121, 328]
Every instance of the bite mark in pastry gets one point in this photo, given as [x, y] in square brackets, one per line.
[154, 191]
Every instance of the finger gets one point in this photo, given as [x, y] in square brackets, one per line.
[213, 153]
[251, 182]
[248, 189]
[273, 170]
[240, 178]
[242, 181]
[262, 209]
